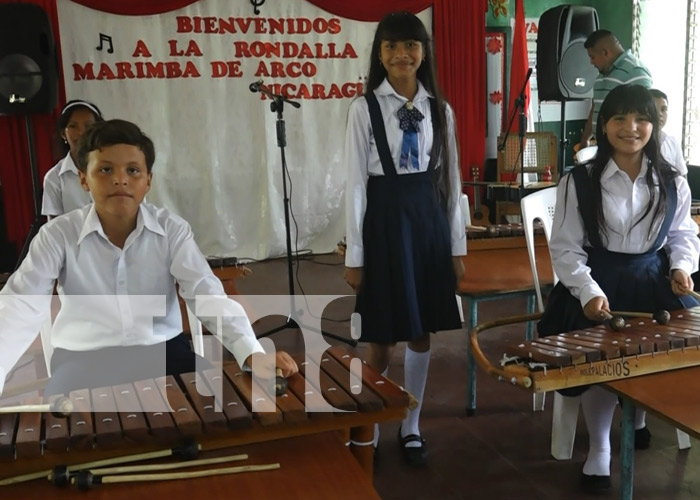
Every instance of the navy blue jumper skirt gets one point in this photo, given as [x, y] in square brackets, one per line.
[408, 283]
[631, 282]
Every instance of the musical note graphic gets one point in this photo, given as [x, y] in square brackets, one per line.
[256, 4]
[108, 39]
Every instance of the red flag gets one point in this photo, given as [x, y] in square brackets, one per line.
[519, 65]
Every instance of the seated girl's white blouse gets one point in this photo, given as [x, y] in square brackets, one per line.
[624, 201]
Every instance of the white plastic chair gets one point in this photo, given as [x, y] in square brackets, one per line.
[467, 216]
[540, 205]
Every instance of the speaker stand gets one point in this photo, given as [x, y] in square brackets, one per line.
[36, 191]
[563, 141]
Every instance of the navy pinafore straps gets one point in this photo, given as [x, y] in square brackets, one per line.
[408, 282]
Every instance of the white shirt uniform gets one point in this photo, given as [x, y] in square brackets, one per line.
[624, 202]
[362, 160]
[62, 189]
[98, 281]
[671, 151]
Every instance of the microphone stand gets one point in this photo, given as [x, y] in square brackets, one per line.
[277, 106]
[519, 109]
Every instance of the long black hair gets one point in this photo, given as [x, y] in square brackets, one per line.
[622, 100]
[398, 26]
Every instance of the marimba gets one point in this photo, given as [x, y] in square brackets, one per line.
[104, 423]
[597, 354]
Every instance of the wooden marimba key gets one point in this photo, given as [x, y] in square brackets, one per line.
[105, 421]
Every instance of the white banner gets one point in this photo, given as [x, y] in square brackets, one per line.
[184, 78]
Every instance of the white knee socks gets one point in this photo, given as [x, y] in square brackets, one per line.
[640, 418]
[598, 407]
[415, 375]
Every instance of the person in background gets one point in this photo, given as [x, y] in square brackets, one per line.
[62, 189]
[616, 66]
[405, 231]
[670, 148]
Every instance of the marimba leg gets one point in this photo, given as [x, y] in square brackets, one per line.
[362, 447]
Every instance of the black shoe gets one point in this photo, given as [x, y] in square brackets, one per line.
[642, 438]
[415, 456]
[594, 484]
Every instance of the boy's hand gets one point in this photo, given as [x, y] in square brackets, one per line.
[286, 364]
[264, 365]
[597, 309]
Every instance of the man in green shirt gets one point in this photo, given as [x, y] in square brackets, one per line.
[616, 66]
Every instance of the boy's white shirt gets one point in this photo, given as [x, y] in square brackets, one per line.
[102, 288]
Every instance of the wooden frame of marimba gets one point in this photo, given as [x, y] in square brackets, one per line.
[191, 416]
[594, 355]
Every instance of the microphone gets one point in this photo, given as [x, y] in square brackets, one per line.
[256, 86]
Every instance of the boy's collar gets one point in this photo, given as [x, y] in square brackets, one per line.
[149, 219]
[144, 219]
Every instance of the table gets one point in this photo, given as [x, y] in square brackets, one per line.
[671, 396]
[311, 467]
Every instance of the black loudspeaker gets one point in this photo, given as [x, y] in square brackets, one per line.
[28, 63]
[564, 71]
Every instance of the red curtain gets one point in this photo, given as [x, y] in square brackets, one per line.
[135, 7]
[459, 31]
[519, 65]
[368, 10]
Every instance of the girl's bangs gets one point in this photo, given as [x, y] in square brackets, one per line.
[631, 100]
[402, 26]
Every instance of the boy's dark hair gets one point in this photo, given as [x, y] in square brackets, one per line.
[404, 25]
[110, 133]
[622, 100]
[657, 94]
[596, 37]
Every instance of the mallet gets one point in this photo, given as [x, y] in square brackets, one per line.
[280, 383]
[86, 480]
[60, 408]
[616, 322]
[661, 316]
[61, 474]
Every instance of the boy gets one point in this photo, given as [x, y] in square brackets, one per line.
[114, 261]
[670, 149]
